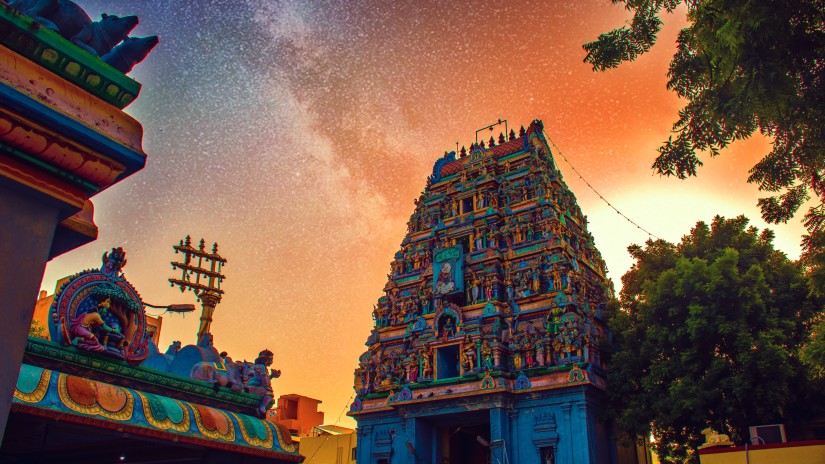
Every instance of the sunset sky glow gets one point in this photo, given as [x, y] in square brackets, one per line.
[297, 134]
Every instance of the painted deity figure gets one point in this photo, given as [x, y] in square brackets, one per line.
[553, 321]
[516, 357]
[424, 294]
[528, 352]
[426, 366]
[497, 327]
[258, 379]
[488, 289]
[449, 327]
[470, 355]
[445, 283]
[535, 286]
[487, 356]
[557, 284]
[539, 352]
[412, 374]
[475, 291]
[89, 332]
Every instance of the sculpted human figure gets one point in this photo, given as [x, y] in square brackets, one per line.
[258, 379]
[476, 289]
[528, 352]
[516, 357]
[469, 354]
[445, 283]
[449, 327]
[426, 367]
[556, 277]
[539, 352]
[487, 356]
[488, 288]
[465, 362]
[83, 329]
[413, 369]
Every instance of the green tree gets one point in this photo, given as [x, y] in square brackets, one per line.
[742, 66]
[37, 329]
[708, 334]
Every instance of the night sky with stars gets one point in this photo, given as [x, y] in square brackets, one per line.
[297, 134]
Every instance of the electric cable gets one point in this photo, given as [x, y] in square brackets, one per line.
[547, 136]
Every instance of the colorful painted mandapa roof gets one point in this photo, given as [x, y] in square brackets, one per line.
[52, 394]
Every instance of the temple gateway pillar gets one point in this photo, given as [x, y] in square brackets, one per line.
[499, 435]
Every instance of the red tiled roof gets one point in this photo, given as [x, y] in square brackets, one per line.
[497, 151]
[508, 147]
[452, 168]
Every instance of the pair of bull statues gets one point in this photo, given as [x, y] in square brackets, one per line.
[251, 377]
[107, 38]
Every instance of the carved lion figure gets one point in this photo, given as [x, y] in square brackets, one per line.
[714, 439]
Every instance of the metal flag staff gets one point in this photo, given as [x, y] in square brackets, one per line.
[201, 274]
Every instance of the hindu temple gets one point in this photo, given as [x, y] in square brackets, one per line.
[485, 347]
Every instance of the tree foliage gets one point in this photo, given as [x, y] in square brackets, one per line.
[708, 334]
[742, 66]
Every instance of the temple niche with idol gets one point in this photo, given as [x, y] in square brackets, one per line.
[485, 345]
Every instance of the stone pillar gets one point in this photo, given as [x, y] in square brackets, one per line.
[567, 442]
[208, 301]
[514, 450]
[363, 451]
[418, 445]
[27, 230]
[586, 450]
[500, 445]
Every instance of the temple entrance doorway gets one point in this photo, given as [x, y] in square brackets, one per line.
[466, 444]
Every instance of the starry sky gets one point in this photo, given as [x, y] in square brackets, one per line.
[296, 134]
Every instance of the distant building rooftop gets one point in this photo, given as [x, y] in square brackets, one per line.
[332, 430]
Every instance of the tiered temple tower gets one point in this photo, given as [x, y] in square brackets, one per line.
[485, 346]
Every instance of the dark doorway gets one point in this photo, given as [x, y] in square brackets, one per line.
[467, 205]
[466, 444]
[447, 365]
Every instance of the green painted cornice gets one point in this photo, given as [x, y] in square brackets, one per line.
[70, 360]
[49, 49]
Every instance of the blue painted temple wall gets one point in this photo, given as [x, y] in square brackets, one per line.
[519, 427]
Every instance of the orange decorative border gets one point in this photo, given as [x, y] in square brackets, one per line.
[123, 414]
[41, 182]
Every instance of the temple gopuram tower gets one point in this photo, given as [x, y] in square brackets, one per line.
[485, 346]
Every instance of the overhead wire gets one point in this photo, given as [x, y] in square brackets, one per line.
[605, 200]
[346, 405]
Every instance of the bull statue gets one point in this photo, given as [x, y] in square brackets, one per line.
[226, 373]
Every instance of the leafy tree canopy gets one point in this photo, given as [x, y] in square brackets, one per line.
[743, 66]
[708, 334]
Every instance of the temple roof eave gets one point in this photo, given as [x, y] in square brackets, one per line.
[55, 395]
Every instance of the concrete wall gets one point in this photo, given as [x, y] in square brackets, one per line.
[297, 413]
[328, 449]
